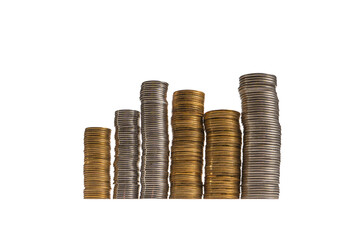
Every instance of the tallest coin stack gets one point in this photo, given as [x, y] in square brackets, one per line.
[262, 136]
[155, 140]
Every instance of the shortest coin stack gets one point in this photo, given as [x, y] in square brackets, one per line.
[97, 162]
[223, 147]
[126, 164]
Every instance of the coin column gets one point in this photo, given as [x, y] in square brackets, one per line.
[126, 164]
[155, 140]
[223, 149]
[97, 162]
[262, 136]
[187, 145]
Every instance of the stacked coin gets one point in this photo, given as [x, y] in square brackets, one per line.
[262, 136]
[223, 149]
[155, 140]
[187, 145]
[97, 162]
[126, 164]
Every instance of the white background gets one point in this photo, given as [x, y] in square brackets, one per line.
[67, 65]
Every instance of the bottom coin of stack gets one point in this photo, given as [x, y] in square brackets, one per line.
[187, 145]
[223, 147]
[97, 162]
[126, 164]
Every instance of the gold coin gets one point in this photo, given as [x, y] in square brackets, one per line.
[223, 150]
[187, 145]
[97, 163]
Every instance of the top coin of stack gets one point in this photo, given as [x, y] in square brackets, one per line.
[187, 145]
[223, 149]
[97, 162]
[155, 140]
[126, 164]
[262, 136]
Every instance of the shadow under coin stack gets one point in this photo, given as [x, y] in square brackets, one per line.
[126, 164]
[187, 145]
[97, 162]
[262, 136]
[223, 149]
[155, 140]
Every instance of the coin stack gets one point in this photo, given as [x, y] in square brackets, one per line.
[223, 149]
[97, 162]
[187, 145]
[126, 164]
[262, 136]
[155, 140]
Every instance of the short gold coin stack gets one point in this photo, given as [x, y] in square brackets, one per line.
[97, 163]
[187, 145]
[223, 147]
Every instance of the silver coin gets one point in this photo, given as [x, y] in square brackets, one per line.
[155, 139]
[127, 155]
[262, 136]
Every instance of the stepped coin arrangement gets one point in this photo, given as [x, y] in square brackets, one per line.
[187, 145]
[262, 136]
[155, 140]
[223, 147]
[97, 162]
[126, 164]
[259, 171]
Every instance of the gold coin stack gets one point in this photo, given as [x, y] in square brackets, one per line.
[223, 148]
[97, 163]
[187, 145]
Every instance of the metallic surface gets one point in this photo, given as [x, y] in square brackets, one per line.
[262, 136]
[126, 164]
[187, 145]
[223, 150]
[155, 140]
[97, 162]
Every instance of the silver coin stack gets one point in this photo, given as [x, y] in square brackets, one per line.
[126, 164]
[155, 140]
[262, 136]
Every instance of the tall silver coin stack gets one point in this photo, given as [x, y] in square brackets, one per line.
[262, 136]
[126, 165]
[155, 140]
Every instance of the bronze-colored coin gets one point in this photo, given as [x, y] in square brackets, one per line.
[223, 150]
[97, 163]
[187, 145]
